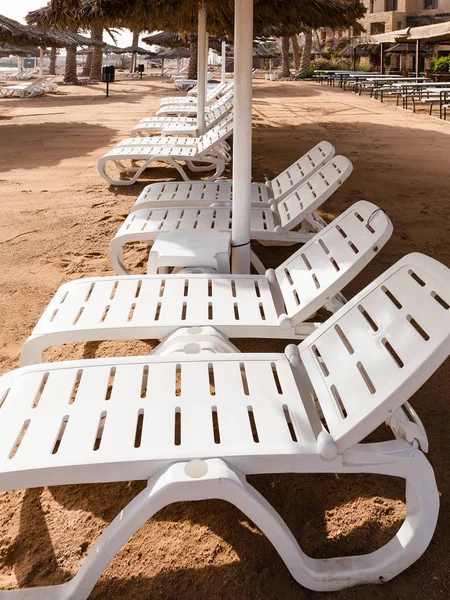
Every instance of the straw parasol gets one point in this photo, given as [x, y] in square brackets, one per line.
[136, 50]
[174, 53]
[9, 50]
[167, 39]
[271, 17]
[15, 33]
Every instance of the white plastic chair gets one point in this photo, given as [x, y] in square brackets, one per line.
[208, 150]
[203, 193]
[195, 426]
[274, 305]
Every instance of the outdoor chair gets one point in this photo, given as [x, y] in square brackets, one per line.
[273, 305]
[208, 150]
[203, 193]
[195, 426]
[272, 225]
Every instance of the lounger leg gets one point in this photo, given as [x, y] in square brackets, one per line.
[195, 339]
[336, 303]
[138, 172]
[257, 263]
[217, 162]
[196, 480]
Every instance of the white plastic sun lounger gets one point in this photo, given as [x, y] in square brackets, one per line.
[209, 87]
[208, 152]
[183, 84]
[179, 140]
[195, 426]
[204, 193]
[22, 75]
[181, 125]
[38, 87]
[274, 305]
[272, 225]
[192, 111]
[181, 109]
[211, 96]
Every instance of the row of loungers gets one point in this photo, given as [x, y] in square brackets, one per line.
[196, 416]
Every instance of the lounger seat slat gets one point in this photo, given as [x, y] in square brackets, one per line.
[193, 194]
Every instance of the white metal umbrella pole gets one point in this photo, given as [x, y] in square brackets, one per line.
[201, 70]
[41, 61]
[224, 61]
[242, 135]
[206, 64]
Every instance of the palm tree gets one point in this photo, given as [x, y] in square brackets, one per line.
[296, 51]
[192, 68]
[52, 67]
[86, 72]
[285, 71]
[305, 63]
[70, 73]
[97, 55]
[134, 43]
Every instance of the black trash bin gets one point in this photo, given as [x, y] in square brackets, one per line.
[141, 68]
[108, 74]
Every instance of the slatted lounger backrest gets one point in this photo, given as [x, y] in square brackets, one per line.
[331, 259]
[213, 117]
[217, 134]
[311, 194]
[216, 91]
[304, 166]
[229, 95]
[376, 351]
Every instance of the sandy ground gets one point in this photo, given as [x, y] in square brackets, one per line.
[57, 218]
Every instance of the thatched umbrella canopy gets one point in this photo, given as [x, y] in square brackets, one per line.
[174, 53]
[271, 17]
[359, 48]
[136, 50]
[15, 33]
[8, 50]
[263, 52]
[167, 39]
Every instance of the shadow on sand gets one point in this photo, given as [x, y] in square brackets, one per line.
[47, 144]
